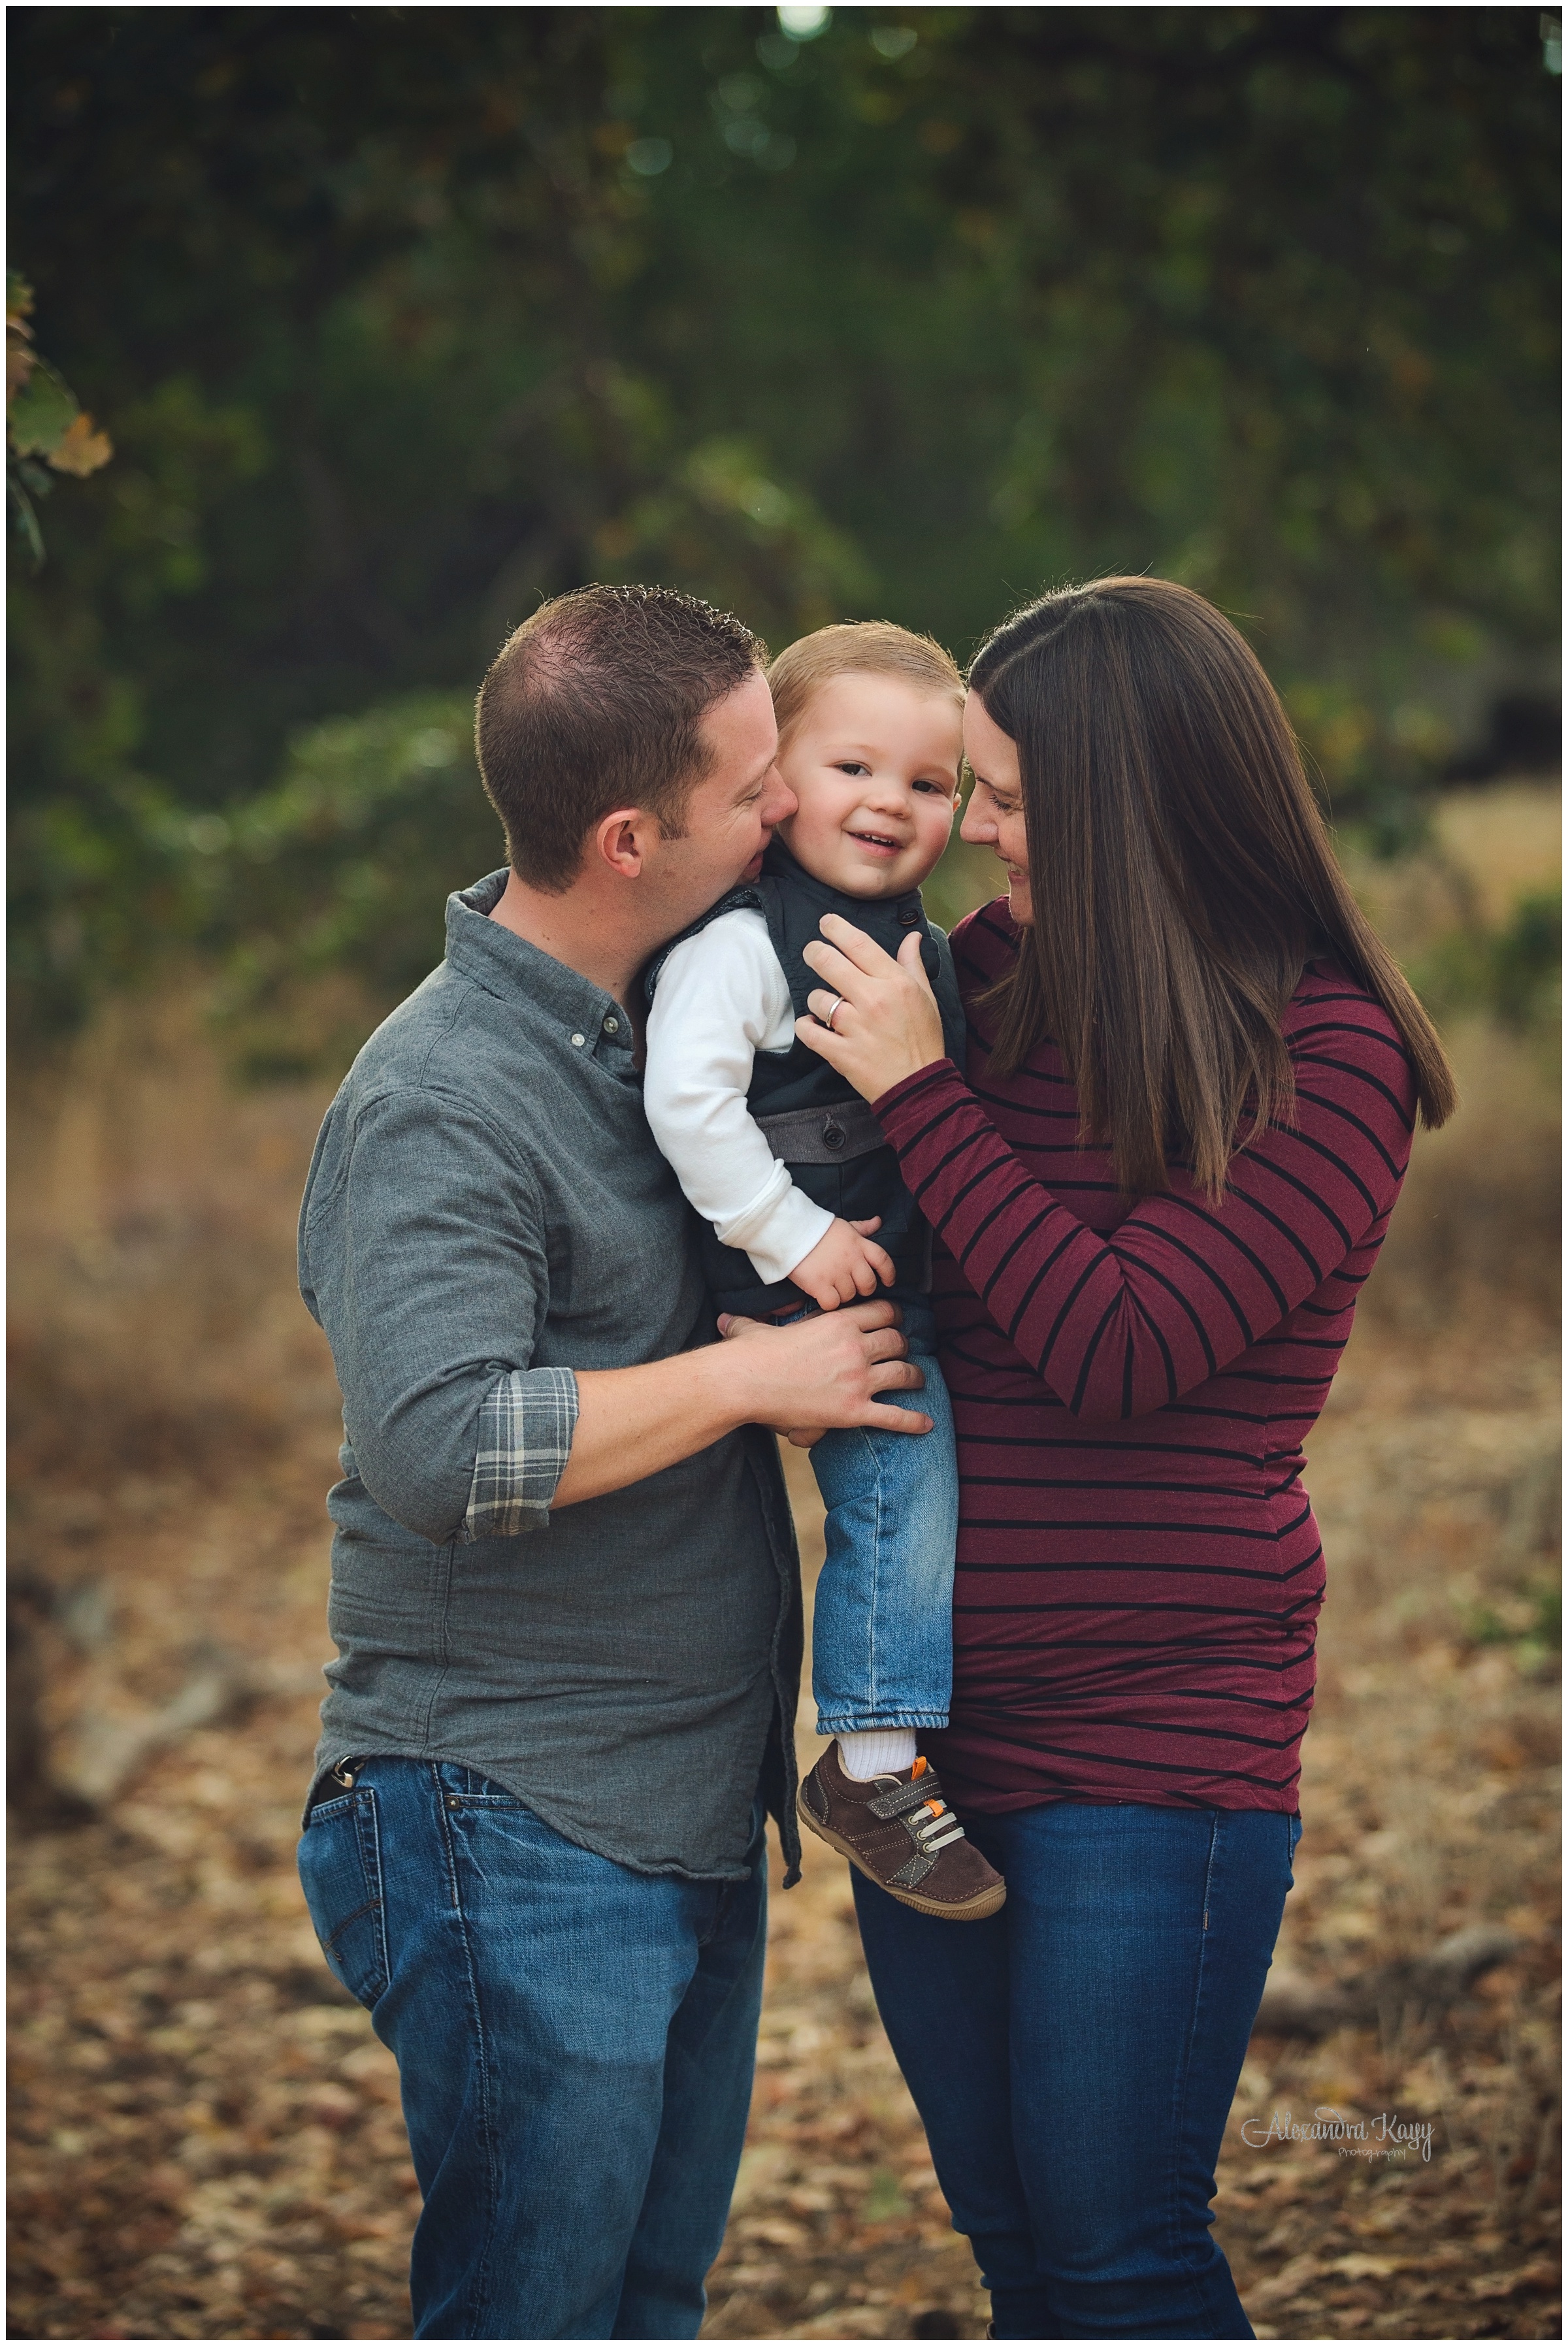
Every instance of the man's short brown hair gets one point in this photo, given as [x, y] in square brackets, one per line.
[857, 648]
[597, 702]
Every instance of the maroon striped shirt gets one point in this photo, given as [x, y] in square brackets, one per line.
[1139, 1572]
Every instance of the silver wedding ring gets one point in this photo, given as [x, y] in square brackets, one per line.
[832, 1014]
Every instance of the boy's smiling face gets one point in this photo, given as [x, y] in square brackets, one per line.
[874, 763]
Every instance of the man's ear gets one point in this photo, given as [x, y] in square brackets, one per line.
[620, 840]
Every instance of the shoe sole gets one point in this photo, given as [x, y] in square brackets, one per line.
[974, 1910]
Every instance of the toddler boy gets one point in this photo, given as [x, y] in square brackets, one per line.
[805, 1209]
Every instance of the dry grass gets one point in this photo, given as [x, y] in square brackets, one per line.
[206, 2138]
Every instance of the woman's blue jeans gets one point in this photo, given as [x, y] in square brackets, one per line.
[1074, 2059]
[575, 2042]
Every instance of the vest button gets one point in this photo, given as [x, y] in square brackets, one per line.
[832, 1133]
[909, 918]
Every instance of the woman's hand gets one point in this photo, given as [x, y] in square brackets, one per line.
[886, 1025]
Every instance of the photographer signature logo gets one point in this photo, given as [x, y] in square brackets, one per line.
[1388, 2136]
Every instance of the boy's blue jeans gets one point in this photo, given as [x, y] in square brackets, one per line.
[1074, 2059]
[575, 2042]
[881, 1633]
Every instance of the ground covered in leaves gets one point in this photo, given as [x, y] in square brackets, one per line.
[205, 2139]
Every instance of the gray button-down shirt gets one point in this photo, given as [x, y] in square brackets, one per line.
[486, 1214]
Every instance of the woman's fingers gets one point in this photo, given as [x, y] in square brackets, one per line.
[837, 971]
[864, 951]
[912, 962]
[816, 1038]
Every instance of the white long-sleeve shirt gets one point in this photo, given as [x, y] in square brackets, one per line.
[721, 997]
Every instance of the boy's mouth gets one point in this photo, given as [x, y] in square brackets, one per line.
[878, 841]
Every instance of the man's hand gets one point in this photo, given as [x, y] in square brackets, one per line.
[823, 1372]
[818, 1374]
[844, 1264]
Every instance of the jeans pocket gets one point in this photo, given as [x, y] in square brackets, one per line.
[340, 1873]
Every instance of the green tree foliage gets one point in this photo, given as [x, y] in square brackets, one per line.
[1513, 972]
[44, 424]
[344, 866]
[408, 317]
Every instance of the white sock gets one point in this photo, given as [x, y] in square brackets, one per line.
[880, 1752]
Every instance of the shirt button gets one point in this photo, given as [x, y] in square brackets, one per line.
[579, 1041]
[908, 917]
[612, 1025]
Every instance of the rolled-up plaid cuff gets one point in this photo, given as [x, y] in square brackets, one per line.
[525, 1424]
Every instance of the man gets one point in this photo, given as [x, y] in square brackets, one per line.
[565, 1590]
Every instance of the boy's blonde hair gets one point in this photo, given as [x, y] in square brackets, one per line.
[856, 647]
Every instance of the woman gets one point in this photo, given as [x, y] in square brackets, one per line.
[1193, 1075]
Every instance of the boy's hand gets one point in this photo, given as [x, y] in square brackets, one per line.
[843, 1265]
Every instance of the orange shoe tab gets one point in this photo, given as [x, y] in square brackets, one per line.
[919, 1767]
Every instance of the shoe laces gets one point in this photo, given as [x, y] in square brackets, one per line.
[938, 1828]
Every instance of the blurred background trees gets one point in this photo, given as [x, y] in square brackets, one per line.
[402, 319]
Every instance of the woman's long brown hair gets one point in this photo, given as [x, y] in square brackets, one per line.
[1182, 876]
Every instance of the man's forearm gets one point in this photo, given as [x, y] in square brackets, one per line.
[631, 1423]
[827, 1370]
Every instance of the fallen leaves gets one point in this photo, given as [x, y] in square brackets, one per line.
[206, 2136]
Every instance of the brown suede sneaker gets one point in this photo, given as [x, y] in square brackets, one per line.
[903, 1835]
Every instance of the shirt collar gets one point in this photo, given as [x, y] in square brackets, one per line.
[516, 971]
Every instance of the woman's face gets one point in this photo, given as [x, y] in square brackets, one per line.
[994, 815]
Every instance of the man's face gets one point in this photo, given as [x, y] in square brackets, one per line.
[729, 816]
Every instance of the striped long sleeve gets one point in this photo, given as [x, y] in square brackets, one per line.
[1139, 1572]
[1121, 1324]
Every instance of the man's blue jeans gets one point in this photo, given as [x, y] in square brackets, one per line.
[574, 2042]
[882, 1627]
[1074, 2057]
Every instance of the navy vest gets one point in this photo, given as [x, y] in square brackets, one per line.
[814, 1121]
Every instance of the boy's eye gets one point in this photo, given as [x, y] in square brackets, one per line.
[852, 766]
[940, 788]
